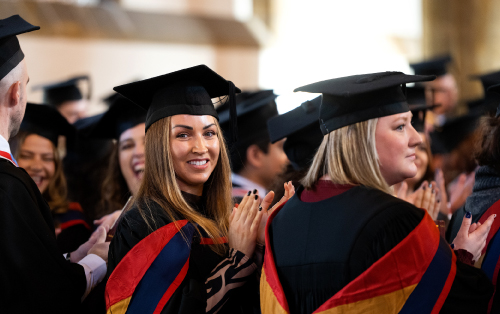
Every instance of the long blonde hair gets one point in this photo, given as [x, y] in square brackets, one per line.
[349, 156]
[159, 185]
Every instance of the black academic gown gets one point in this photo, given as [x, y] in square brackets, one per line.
[190, 297]
[320, 247]
[34, 276]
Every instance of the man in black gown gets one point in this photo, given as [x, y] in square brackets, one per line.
[35, 277]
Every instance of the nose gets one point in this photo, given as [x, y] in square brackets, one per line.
[139, 149]
[415, 138]
[199, 146]
[36, 165]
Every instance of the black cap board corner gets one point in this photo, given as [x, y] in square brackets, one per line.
[446, 138]
[57, 93]
[294, 120]
[121, 116]
[435, 66]
[10, 50]
[488, 79]
[357, 98]
[496, 90]
[187, 91]
[254, 109]
[47, 122]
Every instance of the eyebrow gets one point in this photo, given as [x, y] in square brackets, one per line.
[190, 128]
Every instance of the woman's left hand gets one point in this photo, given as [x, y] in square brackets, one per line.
[289, 192]
[107, 221]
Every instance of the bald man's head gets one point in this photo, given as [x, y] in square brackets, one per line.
[13, 96]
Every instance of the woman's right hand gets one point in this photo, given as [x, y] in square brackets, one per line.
[244, 224]
[472, 237]
[425, 197]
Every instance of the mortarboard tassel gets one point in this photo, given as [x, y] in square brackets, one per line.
[233, 113]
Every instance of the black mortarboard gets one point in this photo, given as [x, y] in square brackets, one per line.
[47, 122]
[357, 98]
[187, 91]
[10, 51]
[121, 116]
[446, 138]
[495, 89]
[416, 95]
[488, 80]
[418, 116]
[436, 66]
[300, 126]
[55, 94]
[253, 110]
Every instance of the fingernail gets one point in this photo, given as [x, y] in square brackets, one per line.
[236, 205]
[249, 192]
[255, 191]
[256, 197]
[495, 216]
[452, 246]
[260, 208]
[430, 186]
[468, 214]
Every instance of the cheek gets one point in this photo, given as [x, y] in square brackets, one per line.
[125, 158]
[51, 169]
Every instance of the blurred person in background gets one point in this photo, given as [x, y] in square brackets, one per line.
[485, 197]
[443, 91]
[255, 162]
[36, 276]
[300, 129]
[124, 122]
[369, 146]
[35, 149]
[67, 98]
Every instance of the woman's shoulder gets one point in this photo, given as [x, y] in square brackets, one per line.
[148, 213]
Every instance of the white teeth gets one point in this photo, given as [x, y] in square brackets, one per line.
[198, 163]
[37, 179]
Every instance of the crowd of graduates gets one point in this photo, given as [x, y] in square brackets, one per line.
[188, 195]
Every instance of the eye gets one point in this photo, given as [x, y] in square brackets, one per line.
[126, 146]
[210, 133]
[400, 127]
[49, 159]
[182, 135]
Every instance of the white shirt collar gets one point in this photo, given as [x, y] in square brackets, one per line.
[4, 145]
[246, 184]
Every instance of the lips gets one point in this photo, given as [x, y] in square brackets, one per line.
[38, 179]
[138, 169]
[199, 163]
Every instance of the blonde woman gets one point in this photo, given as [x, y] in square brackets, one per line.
[179, 249]
[343, 243]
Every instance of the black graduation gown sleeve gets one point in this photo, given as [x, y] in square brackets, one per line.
[191, 296]
[71, 238]
[35, 277]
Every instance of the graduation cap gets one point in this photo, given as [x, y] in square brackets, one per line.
[10, 51]
[187, 91]
[436, 66]
[121, 116]
[357, 98]
[446, 138]
[57, 93]
[495, 89]
[47, 122]
[253, 110]
[301, 128]
[488, 80]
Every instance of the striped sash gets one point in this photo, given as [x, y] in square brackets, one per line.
[9, 157]
[414, 277]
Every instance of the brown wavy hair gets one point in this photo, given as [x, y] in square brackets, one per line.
[159, 185]
[56, 193]
[487, 150]
[114, 188]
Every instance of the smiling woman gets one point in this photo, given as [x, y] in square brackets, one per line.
[35, 148]
[177, 250]
[369, 145]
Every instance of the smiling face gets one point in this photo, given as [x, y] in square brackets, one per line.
[194, 148]
[131, 156]
[396, 143]
[36, 156]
